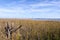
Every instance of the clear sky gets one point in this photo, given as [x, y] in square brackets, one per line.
[29, 8]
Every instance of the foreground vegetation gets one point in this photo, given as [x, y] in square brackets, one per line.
[32, 30]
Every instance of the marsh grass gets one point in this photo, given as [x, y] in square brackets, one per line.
[32, 30]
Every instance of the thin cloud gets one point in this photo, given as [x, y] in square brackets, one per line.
[37, 9]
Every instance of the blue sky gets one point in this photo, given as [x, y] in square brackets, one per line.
[29, 8]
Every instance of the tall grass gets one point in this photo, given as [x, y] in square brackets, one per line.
[32, 30]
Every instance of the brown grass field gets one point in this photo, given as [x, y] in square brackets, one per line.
[31, 29]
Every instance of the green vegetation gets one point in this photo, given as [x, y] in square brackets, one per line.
[32, 30]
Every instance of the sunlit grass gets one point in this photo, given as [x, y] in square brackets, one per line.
[32, 30]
